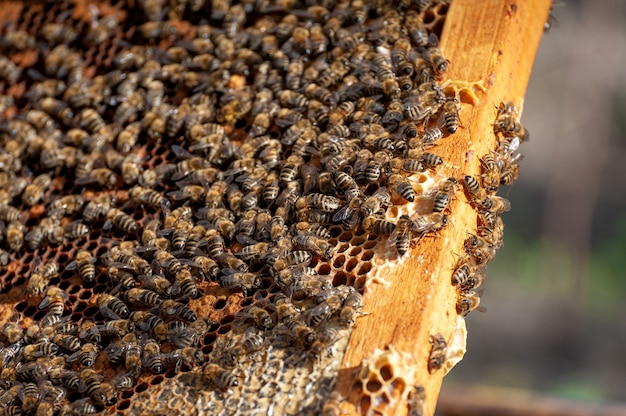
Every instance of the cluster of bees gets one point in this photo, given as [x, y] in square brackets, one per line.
[497, 168]
[280, 123]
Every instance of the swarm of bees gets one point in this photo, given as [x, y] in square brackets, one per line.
[274, 128]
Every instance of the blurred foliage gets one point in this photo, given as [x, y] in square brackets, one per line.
[607, 271]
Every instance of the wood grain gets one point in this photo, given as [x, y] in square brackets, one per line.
[490, 40]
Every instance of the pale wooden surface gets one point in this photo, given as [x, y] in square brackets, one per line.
[490, 40]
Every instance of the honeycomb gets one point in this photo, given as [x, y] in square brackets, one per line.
[254, 164]
[385, 378]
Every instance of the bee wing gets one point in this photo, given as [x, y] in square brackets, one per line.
[73, 357]
[342, 214]
[44, 303]
[72, 265]
[179, 195]
[393, 238]
[108, 313]
[86, 180]
[181, 152]
[246, 240]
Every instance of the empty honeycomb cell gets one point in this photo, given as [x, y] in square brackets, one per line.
[368, 245]
[123, 405]
[127, 395]
[340, 279]
[219, 304]
[209, 339]
[345, 236]
[373, 386]
[324, 269]
[355, 251]
[386, 372]
[357, 241]
[339, 261]
[21, 307]
[170, 373]
[365, 403]
[334, 232]
[224, 329]
[156, 380]
[365, 267]
[351, 264]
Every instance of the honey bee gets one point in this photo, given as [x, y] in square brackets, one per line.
[490, 173]
[19, 39]
[9, 213]
[54, 301]
[34, 191]
[142, 297]
[176, 332]
[218, 377]
[437, 356]
[402, 186]
[152, 358]
[322, 343]
[187, 283]
[155, 30]
[171, 308]
[496, 204]
[58, 33]
[260, 316]
[233, 279]
[67, 342]
[232, 262]
[75, 230]
[40, 349]
[167, 261]
[29, 395]
[331, 405]
[147, 196]
[292, 258]
[429, 222]
[112, 308]
[65, 206]
[254, 250]
[39, 279]
[12, 332]
[493, 233]
[89, 332]
[480, 249]
[208, 267]
[146, 321]
[102, 176]
[318, 246]
[451, 115]
[120, 220]
[117, 328]
[301, 332]
[473, 189]
[97, 207]
[85, 356]
[85, 264]
[467, 302]
[444, 194]
[101, 392]
[508, 124]
[187, 356]
[80, 408]
[416, 401]
[285, 310]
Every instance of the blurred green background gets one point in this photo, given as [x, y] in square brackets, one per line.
[556, 292]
